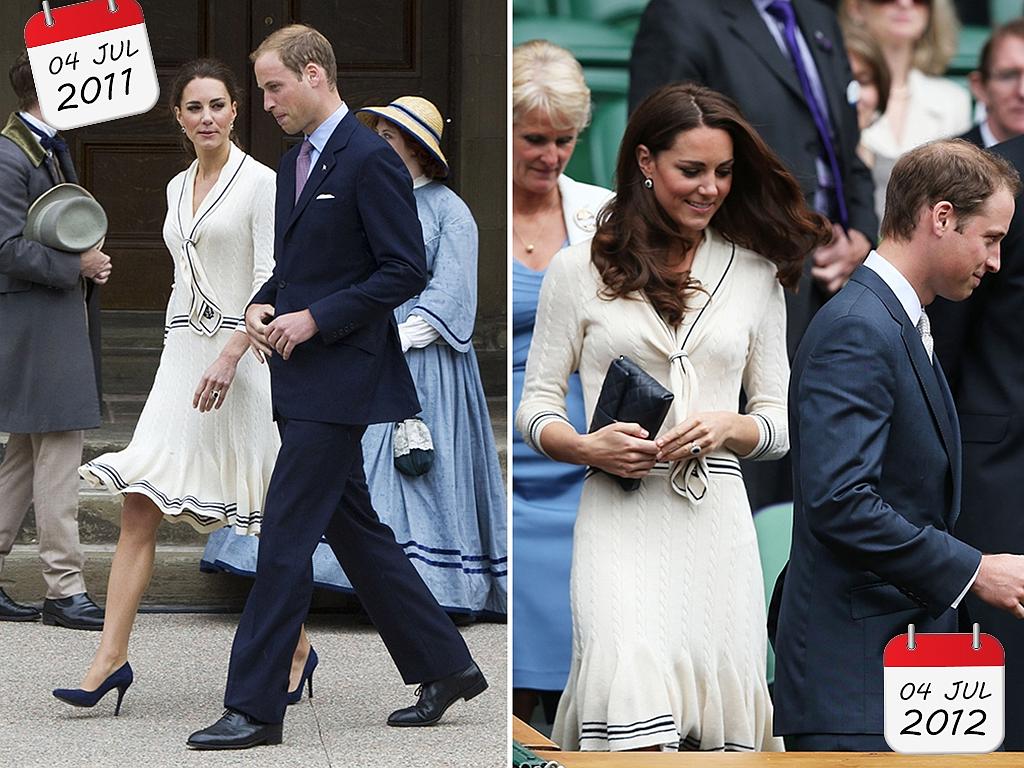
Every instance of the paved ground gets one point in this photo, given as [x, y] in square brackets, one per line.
[180, 661]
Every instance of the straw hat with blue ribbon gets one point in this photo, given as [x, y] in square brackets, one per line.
[419, 118]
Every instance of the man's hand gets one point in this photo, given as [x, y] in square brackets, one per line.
[95, 265]
[1000, 582]
[288, 331]
[835, 262]
[257, 317]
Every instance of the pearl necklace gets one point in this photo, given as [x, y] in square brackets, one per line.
[531, 246]
[528, 246]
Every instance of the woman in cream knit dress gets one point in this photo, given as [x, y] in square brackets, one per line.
[205, 443]
[669, 641]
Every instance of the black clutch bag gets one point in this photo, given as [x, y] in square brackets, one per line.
[630, 394]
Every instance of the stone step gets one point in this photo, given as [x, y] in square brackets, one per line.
[177, 580]
[177, 583]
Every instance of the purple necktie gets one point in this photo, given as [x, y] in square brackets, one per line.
[302, 167]
[783, 11]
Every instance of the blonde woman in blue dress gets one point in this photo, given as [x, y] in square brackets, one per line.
[205, 444]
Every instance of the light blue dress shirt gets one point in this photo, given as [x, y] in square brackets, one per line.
[322, 135]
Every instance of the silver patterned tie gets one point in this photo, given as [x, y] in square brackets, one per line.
[924, 327]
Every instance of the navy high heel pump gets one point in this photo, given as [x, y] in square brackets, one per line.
[294, 697]
[120, 679]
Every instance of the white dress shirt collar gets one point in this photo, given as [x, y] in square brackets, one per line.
[322, 134]
[897, 283]
[987, 137]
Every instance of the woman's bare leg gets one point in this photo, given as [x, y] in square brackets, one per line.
[130, 572]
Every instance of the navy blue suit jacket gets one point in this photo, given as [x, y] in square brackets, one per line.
[876, 474]
[350, 250]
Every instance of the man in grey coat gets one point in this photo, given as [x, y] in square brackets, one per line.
[49, 365]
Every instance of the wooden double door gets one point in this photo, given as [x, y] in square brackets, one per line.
[385, 48]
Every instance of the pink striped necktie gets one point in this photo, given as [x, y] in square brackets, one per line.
[302, 167]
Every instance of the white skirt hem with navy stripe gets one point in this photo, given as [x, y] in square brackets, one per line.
[210, 469]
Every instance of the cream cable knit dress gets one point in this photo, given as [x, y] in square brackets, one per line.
[669, 640]
[208, 469]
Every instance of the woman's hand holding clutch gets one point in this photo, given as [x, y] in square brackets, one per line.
[621, 449]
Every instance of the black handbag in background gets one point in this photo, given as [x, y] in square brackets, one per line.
[630, 394]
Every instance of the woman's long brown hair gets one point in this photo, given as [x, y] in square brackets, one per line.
[764, 211]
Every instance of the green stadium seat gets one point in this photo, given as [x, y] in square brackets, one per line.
[530, 8]
[622, 14]
[593, 44]
[1003, 11]
[968, 50]
[774, 527]
[596, 152]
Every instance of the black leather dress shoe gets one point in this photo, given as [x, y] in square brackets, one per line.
[75, 612]
[436, 697]
[12, 611]
[235, 730]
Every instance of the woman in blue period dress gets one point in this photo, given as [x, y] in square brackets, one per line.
[550, 106]
[451, 520]
[669, 638]
[205, 443]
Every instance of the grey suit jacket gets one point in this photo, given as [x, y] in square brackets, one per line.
[48, 364]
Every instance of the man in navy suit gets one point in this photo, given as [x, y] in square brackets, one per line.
[349, 249]
[876, 456]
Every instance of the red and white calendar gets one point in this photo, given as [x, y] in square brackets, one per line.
[91, 62]
[944, 693]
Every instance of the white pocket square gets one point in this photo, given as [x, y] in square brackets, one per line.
[327, 196]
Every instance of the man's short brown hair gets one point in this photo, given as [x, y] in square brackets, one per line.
[297, 45]
[952, 170]
[23, 83]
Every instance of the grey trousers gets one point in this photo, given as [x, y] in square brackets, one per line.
[43, 469]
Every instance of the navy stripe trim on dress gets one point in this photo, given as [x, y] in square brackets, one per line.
[767, 436]
[190, 238]
[716, 466]
[228, 511]
[732, 258]
[182, 321]
[438, 564]
[421, 308]
[539, 421]
[595, 731]
[691, 744]
[492, 569]
[601, 725]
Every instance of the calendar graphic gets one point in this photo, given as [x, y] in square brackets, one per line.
[944, 693]
[91, 62]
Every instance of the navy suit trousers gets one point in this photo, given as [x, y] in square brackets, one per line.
[318, 488]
